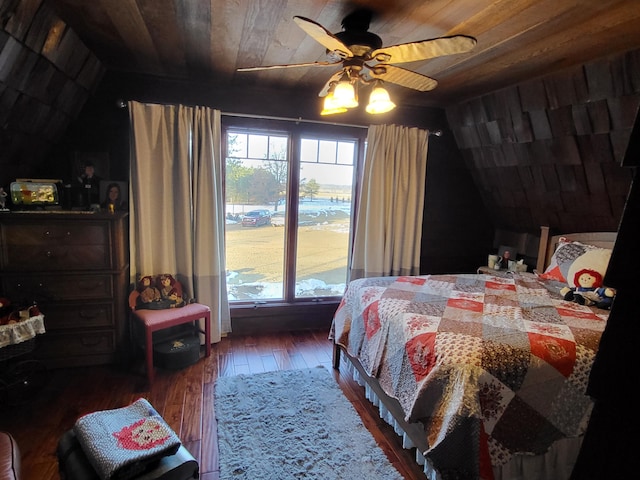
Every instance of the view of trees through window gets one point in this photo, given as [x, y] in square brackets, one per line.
[272, 253]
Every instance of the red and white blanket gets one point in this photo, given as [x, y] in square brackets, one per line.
[124, 442]
[491, 365]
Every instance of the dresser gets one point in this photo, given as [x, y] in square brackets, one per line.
[75, 266]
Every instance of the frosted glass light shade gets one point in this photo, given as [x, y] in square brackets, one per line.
[379, 101]
[345, 95]
[330, 105]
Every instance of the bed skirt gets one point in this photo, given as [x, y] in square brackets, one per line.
[557, 463]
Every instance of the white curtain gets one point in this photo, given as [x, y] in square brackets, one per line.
[390, 207]
[177, 216]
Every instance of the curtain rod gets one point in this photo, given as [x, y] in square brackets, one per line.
[437, 133]
[297, 120]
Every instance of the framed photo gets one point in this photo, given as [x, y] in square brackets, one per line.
[513, 251]
[116, 192]
[97, 161]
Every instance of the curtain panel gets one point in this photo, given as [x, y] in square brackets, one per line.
[177, 218]
[390, 208]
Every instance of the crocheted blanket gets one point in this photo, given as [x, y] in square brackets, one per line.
[122, 443]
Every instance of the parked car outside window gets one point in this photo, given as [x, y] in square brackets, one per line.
[255, 218]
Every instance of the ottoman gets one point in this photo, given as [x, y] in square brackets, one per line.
[74, 465]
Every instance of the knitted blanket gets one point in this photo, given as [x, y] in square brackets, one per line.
[122, 443]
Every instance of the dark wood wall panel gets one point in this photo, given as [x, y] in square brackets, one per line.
[549, 151]
[46, 76]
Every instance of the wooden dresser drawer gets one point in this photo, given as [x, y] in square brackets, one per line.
[76, 347]
[70, 233]
[48, 288]
[61, 317]
[57, 257]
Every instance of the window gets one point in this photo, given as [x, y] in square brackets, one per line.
[289, 192]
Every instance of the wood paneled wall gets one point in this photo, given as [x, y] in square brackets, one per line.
[46, 76]
[549, 152]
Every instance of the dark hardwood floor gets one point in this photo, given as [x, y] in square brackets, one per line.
[184, 398]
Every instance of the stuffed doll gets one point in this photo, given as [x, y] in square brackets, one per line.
[170, 290]
[5, 310]
[589, 290]
[148, 291]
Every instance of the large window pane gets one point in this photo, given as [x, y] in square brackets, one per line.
[272, 254]
[256, 178]
[324, 217]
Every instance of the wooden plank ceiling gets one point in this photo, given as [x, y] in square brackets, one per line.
[206, 41]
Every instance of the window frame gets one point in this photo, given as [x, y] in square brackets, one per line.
[296, 130]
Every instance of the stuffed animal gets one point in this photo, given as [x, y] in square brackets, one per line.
[148, 291]
[589, 290]
[5, 311]
[170, 290]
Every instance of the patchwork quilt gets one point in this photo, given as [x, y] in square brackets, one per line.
[492, 365]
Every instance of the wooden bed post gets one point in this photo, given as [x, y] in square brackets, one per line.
[542, 249]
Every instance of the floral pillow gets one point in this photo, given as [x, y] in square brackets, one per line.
[571, 257]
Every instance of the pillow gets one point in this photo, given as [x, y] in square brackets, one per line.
[571, 257]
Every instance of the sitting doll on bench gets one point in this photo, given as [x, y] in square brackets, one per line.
[158, 294]
[170, 290]
[589, 290]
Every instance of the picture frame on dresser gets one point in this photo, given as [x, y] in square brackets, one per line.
[98, 160]
[121, 202]
[513, 252]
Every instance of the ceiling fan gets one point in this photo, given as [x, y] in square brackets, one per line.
[363, 59]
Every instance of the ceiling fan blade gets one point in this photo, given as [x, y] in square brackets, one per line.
[327, 86]
[402, 76]
[290, 65]
[323, 36]
[414, 51]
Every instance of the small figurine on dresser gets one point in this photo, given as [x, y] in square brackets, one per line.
[90, 181]
[506, 256]
[3, 200]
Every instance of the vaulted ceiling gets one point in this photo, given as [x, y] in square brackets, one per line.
[208, 40]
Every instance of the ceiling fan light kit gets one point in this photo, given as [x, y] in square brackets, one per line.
[330, 106]
[379, 101]
[345, 94]
[365, 60]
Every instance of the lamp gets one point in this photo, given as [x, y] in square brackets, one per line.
[345, 95]
[330, 105]
[379, 101]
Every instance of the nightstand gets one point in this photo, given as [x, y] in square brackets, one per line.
[498, 273]
[489, 271]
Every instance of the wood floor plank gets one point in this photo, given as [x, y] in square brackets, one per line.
[209, 444]
[184, 398]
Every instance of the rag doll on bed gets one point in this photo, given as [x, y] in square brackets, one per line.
[589, 290]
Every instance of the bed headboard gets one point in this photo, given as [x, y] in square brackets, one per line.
[548, 243]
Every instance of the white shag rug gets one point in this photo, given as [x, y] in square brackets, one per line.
[293, 424]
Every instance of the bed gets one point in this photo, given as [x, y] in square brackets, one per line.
[484, 374]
